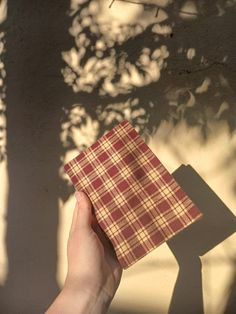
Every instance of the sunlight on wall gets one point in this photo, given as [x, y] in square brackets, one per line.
[107, 28]
[83, 134]
[147, 286]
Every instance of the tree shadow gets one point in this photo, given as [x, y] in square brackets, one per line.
[36, 33]
[217, 224]
[196, 88]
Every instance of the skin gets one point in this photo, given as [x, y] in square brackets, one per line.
[94, 272]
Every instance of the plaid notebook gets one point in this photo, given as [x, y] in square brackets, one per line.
[137, 202]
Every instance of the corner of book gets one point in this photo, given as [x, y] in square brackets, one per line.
[125, 121]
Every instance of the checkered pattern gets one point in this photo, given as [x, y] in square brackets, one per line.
[137, 202]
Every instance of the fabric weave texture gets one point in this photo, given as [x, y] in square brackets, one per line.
[137, 202]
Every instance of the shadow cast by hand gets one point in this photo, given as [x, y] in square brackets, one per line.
[217, 224]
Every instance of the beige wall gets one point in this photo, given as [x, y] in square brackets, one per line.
[148, 286]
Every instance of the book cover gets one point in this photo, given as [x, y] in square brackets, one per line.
[137, 202]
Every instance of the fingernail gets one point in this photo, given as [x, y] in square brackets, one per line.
[77, 196]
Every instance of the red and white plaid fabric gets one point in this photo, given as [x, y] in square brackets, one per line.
[137, 202]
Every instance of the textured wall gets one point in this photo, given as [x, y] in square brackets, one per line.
[73, 70]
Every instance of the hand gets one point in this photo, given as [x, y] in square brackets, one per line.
[94, 272]
[92, 262]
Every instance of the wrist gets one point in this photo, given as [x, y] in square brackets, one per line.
[84, 301]
[84, 288]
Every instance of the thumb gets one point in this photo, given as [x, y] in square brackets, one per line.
[84, 210]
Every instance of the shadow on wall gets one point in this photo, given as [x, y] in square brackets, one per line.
[217, 224]
[149, 68]
[36, 33]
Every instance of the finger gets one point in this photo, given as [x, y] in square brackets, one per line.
[84, 218]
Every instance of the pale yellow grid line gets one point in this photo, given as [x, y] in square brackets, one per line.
[101, 139]
[99, 167]
[127, 252]
[126, 171]
[130, 258]
[111, 181]
[121, 225]
[133, 241]
[99, 171]
[119, 177]
[116, 157]
[94, 196]
[97, 150]
[136, 185]
[172, 187]
[124, 148]
[74, 164]
[81, 183]
[188, 203]
[160, 220]
[143, 236]
[124, 249]
[119, 199]
[155, 176]
[167, 194]
[116, 178]
[179, 209]
[142, 153]
[113, 229]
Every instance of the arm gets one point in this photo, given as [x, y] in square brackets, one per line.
[71, 302]
[94, 272]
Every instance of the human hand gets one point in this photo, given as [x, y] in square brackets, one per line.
[92, 263]
[94, 272]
